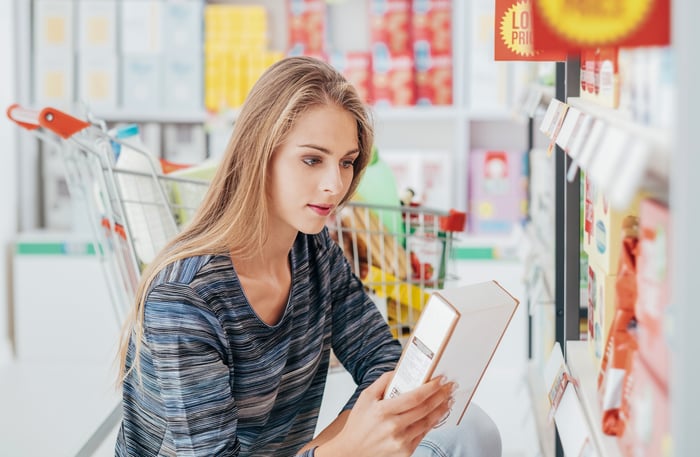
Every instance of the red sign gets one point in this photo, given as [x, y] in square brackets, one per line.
[514, 37]
[583, 24]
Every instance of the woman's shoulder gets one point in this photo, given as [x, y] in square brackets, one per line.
[190, 269]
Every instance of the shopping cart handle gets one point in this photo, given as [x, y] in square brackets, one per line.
[52, 119]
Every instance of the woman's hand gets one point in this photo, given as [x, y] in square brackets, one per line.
[392, 426]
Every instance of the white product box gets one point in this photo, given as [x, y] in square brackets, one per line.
[53, 26]
[97, 26]
[184, 143]
[53, 79]
[182, 26]
[427, 173]
[97, 81]
[182, 78]
[140, 30]
[141, 81]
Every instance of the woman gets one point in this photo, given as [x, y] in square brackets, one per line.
[227, 348]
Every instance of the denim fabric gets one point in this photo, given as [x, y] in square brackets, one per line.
[476, 436]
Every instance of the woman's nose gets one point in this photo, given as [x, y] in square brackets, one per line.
[332, 180]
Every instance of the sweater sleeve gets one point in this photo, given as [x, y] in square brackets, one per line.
[361, 339]
[187, 344]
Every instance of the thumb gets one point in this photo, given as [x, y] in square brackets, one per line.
[377, 388]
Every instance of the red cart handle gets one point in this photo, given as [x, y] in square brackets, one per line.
[62, 124]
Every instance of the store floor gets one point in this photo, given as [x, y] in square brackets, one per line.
[503, 392]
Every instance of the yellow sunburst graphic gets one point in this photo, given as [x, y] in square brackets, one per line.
[594, 22]
[516, 29]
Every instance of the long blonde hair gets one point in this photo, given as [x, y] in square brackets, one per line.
[233, 215]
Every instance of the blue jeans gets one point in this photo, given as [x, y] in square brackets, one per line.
[476, 436]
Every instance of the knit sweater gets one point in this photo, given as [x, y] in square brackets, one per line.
[217, 380]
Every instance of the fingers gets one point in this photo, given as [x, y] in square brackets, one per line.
[377, 388]
[408, 401]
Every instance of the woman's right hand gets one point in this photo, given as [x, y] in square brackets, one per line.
[392, 426]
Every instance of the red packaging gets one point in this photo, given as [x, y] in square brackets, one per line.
[432, 24]
[306, 20]
[357, 68]
[654, 290]
[392, 80]
[390, 25]
[434, 83]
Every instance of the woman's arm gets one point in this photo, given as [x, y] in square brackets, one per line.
[187, 345]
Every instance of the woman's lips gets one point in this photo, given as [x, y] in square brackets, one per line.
[321, 210]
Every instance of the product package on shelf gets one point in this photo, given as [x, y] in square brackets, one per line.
[653, 277]
[621, 344]
[356, 66]
[600, 78]
[306, 21]
[497, 190]
[648, 431]
[425, 174]
[393, 66]
[602, 227]
[601, 309]
[431, 25]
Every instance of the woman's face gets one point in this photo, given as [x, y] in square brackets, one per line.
[312, 171]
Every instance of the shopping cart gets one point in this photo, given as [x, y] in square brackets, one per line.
[401, 254]
[133, 207]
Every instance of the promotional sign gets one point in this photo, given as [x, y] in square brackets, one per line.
[514, 37]
[580, 24]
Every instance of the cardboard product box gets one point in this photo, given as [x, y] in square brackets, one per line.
[141, 81]
[427, 173]
[53, 26]
[648, 429]
[306, 20]
[182, 82]
[236, 26]
[434, 81]
[54, 80]
[390, 25]
[601, 310]
[98, 76]
[182, 26]
[602, 227]
[141, 26]
[608, 78]
[497, 190]
[431, 24]
[97, 26]
[653, 284]
[357, 68]
[393, 81]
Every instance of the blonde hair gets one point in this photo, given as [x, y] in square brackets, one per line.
[233, 217]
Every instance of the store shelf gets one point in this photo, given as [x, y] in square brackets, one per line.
[582, 367]
[418, 113]
[659, 139]
[165, 117]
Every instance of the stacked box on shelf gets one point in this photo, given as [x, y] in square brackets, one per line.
[306, 21]
[497, 190]
[357, 68]
[648, 427]
[53, 53]
[140, 46]
[432, 49]
[653, 287]
[602, 244]
[600, 78]
[392, 54]
[98, 66]
[235, 53]
[182, 54]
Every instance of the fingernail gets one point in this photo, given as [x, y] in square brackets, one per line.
[454, 387]
[443, 380]
[450, 402]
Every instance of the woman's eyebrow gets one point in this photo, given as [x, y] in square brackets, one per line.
[325, 150]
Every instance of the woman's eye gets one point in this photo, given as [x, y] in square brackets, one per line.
[311, 161]
[348, 163]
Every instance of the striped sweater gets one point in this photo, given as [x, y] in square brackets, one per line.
[216, 380]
